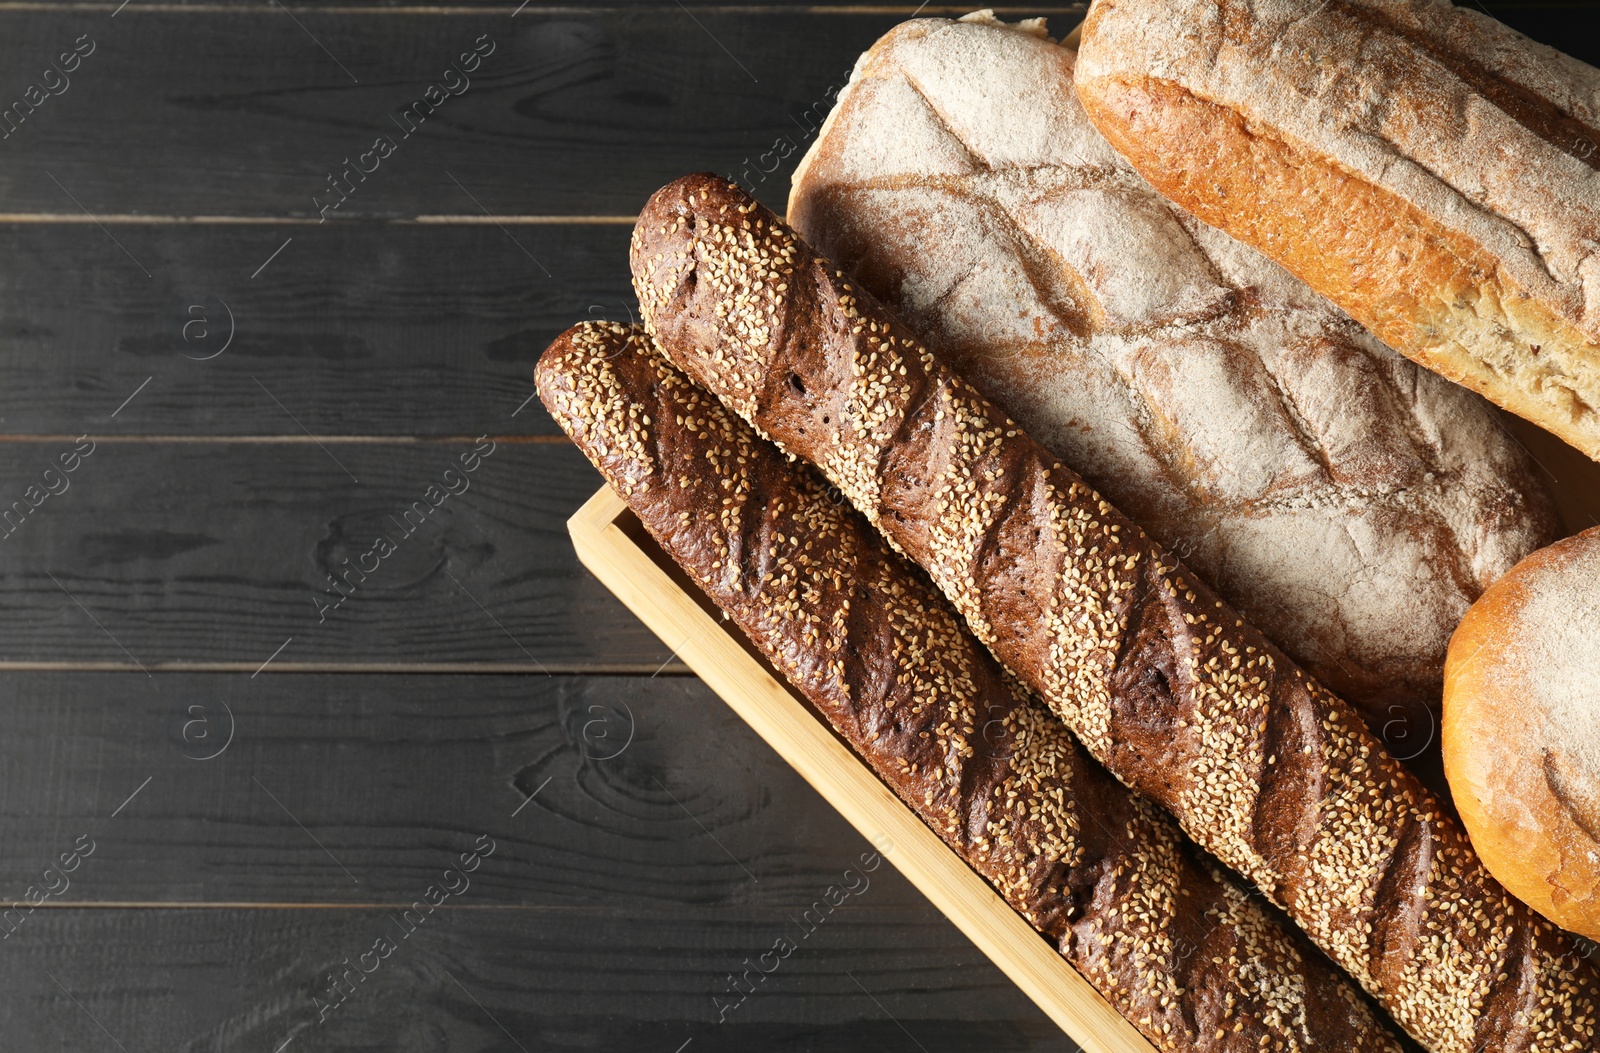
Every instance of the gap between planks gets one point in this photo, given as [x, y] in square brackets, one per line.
[272, 440]
[440, 219]
[863, 910]
[573, 669]
[271, 7]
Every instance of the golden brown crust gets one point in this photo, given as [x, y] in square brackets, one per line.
[1163, 683]
[1350, 503]
[1425, 260]
[1517, 755]
[1397, 271]
[1184, 953]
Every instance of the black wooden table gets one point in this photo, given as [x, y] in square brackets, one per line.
[269, 273]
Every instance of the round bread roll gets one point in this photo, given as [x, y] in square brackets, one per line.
[1522, 730]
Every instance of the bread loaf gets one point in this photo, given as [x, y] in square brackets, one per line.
[1348, 502]
[1522, 705]
[1181, 951]
[1163, 682]
[1430, 170]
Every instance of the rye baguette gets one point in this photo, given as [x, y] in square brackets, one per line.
[1163, 682]
[1180, 950]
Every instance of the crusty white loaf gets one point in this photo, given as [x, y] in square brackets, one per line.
[1352, 504]
[1430, 170]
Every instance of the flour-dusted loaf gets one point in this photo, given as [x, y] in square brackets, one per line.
[1348, 502]
[1522, 730]
[1164, 683]
[1185, 954]
[1430, 170]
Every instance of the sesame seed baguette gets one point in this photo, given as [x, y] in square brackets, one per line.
[1162, 681]
[1190, 958]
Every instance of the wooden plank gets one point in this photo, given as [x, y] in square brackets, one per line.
[240, 112]
[641, 576]
[196, 552]
[577, 112]
[360, 789]
[357, 334]
[353, 320]
[505, 981]
[358, 329]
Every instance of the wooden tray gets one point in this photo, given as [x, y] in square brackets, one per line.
[613, 545]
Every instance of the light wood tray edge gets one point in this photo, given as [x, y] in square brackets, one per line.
[844, 781]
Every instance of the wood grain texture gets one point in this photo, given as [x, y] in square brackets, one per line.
[596, 791]
[358, 328]
[195, 552]
[626, 917]
[505, 981]
[575, 112]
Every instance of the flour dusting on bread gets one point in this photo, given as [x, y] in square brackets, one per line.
[1555, 665]
[1349, 502]
[1432, 171]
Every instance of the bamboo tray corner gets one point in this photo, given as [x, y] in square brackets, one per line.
[648, 583]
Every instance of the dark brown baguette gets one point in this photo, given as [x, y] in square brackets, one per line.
[1162, 681]
[1177, 948]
